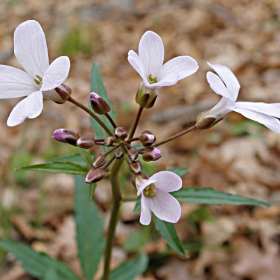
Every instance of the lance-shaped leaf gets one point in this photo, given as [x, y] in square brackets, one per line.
[38, 264]
[130, 269]
[57, 167]
[97, 86]
[168, 232]
[89, 229]
[180, 171]
[211, 196]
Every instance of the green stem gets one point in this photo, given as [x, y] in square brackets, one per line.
[135, 123]
[114, 216]
[77, 103]
[175, 136]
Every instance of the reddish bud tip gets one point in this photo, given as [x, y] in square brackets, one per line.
[135, 166]
[98, 160]
[66, 136]
[151, 154]
[86, 141]
[95, 175]
[98, 104]
[120, 133]
[147, 138]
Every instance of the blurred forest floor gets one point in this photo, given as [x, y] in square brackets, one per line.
[236, 156]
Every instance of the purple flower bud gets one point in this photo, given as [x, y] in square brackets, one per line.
[64, 92]
[98, 104]
[133, 153]
[135, 166]
[137, 177]
[118, 154]
[109, 141]
[95, 175]
[120, 132]
[98, 160]
[66, 136]
[147, 138]
[151, 154]
[86, 141]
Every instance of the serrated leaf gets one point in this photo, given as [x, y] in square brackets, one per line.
[130, 269]
[37, 264]
[211, 196]
[57, 167]
[89, 228]
[180, 171]
[168, 232]
[97, 86]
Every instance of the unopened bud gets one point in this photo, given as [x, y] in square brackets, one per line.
[86, 141]
[66, 136]
[205, 121]
[136, 178]
[95, 175]
[145, 97]
[151, 154]
[98, 160]
[118, 154]
[120, 132]
[135, 166]
[109, 141]
[64, 92]
[147, 138]
[98, 104]
[133, 153]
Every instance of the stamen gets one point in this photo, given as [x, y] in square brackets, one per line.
[150, 190]
[152, 80]
[39, 80]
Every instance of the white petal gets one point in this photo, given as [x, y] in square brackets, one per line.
[137, 64]
[30, 107]
[229, 79]
[56, 73]
[31, 48]
[217, 85]
[165, 206]
[177, 69]
[145, 216]
[222, 108]
[267, 109]
[15, 82]
[270, 122]
[144, 184]
[151, 53]
[167, 181]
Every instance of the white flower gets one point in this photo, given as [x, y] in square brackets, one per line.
[226, 85]
[40, 78]
[149, 63]
[155, 197]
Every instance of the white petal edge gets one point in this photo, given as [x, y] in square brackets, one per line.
[167, 181]
[56, 73]
[217, 85]
[165, 206]
[15, 83]
[144, 184]
[223, 107]
[30, 48]
[151, 53]
[270, 122]
[228, 78]
[30, 107]
[177, 68]
[272, 109]
[145, 216]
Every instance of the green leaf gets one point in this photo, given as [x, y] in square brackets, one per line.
[51, 275]
[37, 264]
[57, 167]
[86, 157]
[168, 232]
[130, 269]
[73, 158]
[180, 171]
[97, 86]
[89, 229]
[137, 205]
[211, 196]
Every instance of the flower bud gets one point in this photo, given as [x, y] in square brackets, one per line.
[66, 136]
[205, 121]
[64, 92]
[118, 154]
[147, 138]
[151, 154]
[109, 141]
[95, 175]
[145, 97]
[135, 166]
[133, 153]
[136, 178]
[98, 104]
[120, 132]
[86, 141]
[98, 160]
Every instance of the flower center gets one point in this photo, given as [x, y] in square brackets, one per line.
[38, 80]
[149, 190]
[152, 80]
